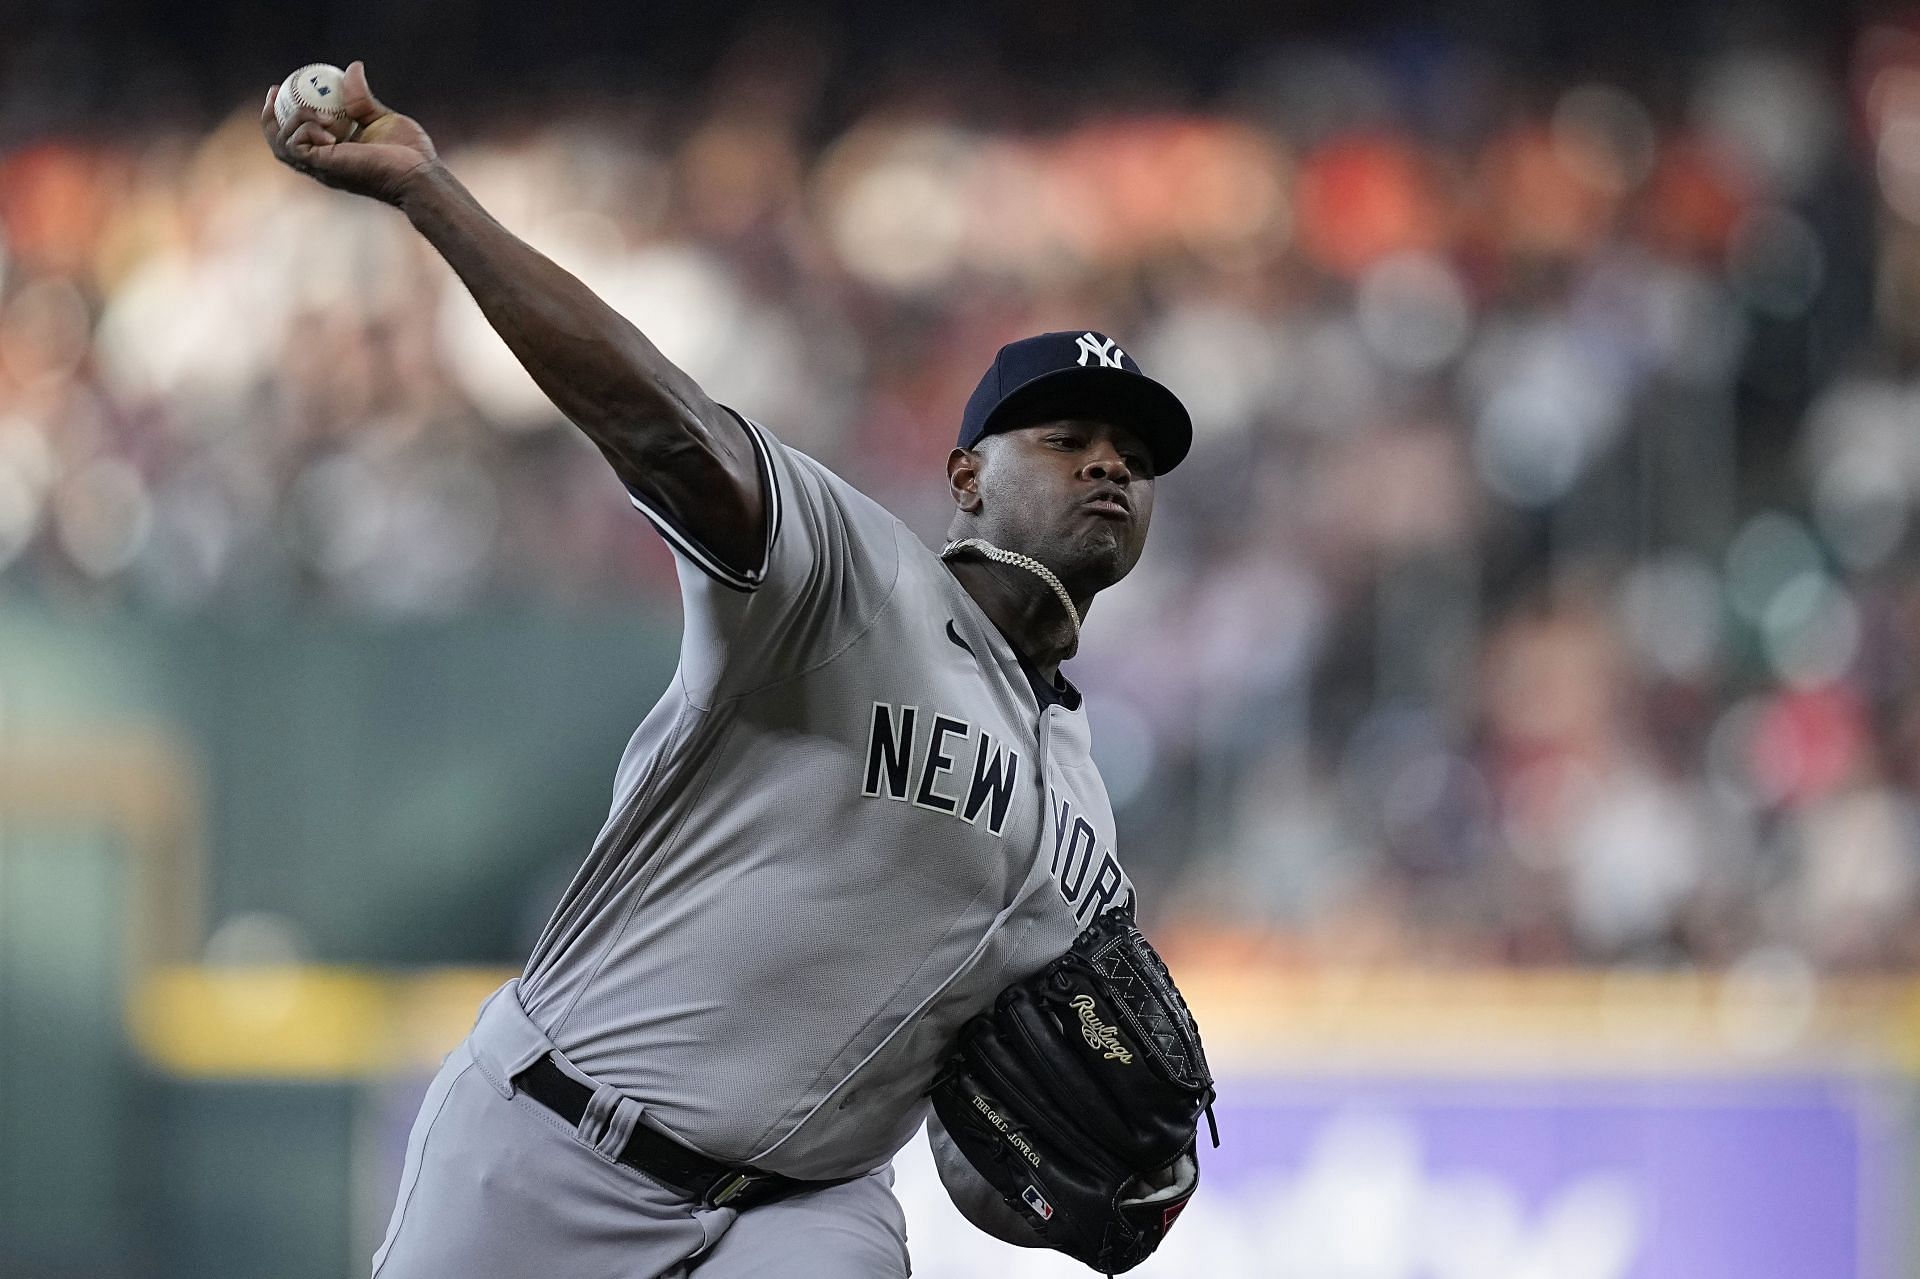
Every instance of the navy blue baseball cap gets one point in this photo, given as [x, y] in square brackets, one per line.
[1077, 375]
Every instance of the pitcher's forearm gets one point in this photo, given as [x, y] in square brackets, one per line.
[594, 365]
[695, 467]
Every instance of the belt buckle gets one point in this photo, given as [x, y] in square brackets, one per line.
[730, 1184]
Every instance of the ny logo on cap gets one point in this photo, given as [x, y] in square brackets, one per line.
[1106, 350]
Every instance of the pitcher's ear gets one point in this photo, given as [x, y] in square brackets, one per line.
[963, 479]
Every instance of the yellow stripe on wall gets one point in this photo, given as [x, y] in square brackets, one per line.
[320, 1023]
[303, 1023]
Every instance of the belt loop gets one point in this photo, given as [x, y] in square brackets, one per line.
[620, 1126]
[595, 1119]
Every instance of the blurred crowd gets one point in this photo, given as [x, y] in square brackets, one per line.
[1539, 590]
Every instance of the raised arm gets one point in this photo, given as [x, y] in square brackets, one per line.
[687, 457]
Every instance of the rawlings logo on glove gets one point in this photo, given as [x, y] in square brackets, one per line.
[1097, 1033]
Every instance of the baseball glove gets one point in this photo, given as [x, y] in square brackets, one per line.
[1078, 1096]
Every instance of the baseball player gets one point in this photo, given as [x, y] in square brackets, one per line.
[864, 805]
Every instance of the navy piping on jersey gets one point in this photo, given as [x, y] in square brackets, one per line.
[708, 562]
[1061, 694]
[1049, 694]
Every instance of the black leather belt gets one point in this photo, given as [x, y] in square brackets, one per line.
[659, 1156]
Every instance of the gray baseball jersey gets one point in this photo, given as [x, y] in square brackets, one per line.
[849, 822]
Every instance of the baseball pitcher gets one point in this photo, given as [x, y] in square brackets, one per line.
[859, 864]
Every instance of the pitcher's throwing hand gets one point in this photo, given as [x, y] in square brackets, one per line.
[382, 153]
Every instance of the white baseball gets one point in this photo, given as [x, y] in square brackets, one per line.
[317, 86]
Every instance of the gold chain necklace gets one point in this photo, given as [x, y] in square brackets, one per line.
[1018, 560]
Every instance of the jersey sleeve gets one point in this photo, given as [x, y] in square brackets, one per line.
[831, 561]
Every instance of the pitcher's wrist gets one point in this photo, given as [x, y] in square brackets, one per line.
[425, 188]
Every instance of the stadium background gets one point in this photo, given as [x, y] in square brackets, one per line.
[1512, 724]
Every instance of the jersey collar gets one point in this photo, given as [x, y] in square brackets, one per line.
[975, 624]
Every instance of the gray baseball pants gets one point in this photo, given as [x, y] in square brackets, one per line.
[497, 1186]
